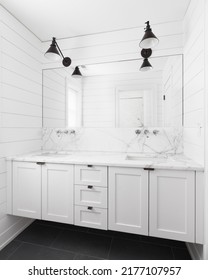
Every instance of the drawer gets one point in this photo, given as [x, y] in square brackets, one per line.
[94, 218]
[91, 196]
[91, 175]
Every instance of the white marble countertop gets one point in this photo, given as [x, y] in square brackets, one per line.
[157, 161]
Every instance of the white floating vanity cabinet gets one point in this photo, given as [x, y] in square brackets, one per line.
[160, 203]
[43, 191]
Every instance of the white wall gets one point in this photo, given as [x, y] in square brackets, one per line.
[54, 98]
[20, 105]
[173, 91]
[55, 85]
[195, 99]
[194, 81]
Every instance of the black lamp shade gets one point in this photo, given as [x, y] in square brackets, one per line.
[149, 39]
[52, 53]
[77, 73]
[146, 66]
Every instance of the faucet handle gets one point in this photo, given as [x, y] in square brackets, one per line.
[146, 131]
[138, 131]
[155, 132]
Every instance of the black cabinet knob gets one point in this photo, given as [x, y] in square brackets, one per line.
[89, 165]
[89, 207]
[90, 187]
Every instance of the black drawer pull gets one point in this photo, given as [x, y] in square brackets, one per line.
[89, 207]
[40, 163]
[90, 187]
[89, 165]
[149, 168]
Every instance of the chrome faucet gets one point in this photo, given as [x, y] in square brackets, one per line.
[66, 132]
[138, 132]
[72, 132]
[155, 132]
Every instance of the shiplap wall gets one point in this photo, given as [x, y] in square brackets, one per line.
[194, 81]
[99, 96]
[173, 91]
[55, 84]
[117, 45]
[54, 98]
[20, 105]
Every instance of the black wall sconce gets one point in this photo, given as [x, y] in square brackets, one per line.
[77, 73]
[54, 52]
[149, 40]
[146, 66]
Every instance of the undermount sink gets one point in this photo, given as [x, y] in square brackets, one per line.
[49, 154]
[145, 157]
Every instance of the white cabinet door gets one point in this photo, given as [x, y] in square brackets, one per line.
[27, 189]
[172, 204]
[57, 193]
[128, 200]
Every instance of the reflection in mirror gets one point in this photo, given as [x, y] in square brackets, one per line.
[115, 94]
[62, 99]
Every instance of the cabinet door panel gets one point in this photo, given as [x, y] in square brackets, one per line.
[27, 189]
[172, 204]
[128, 200]
[57, 193]
[94, 218]
[91, 175]
[95, 196]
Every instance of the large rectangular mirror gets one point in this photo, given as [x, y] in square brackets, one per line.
[115, 94]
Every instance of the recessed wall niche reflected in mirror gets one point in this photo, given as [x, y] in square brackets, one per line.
[115, 94]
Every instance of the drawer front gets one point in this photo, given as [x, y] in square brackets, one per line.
[94, 218]
[91, 175]
[91, 196]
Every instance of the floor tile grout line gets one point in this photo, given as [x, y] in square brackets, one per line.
[110, 248]
[112, 236]
[19, 246]
[52, 242]
[45, 246]
[173, 254]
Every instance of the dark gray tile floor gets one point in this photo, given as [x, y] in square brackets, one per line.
[44, 240]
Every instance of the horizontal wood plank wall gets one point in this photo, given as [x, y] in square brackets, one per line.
[117, 45]
[194, 81]
[53, 99]
[20, 106]
[173, 91]
[55, 83]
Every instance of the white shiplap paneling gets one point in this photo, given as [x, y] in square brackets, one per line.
[194, 83]
[21, 106]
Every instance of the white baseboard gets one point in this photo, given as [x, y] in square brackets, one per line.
[195, 254]
[7, 236]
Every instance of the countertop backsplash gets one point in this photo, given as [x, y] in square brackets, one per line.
[121, 140]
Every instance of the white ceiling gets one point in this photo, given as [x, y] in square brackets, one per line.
[68, 18]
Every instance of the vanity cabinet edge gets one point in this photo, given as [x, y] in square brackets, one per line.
[9, 204]
[200, 207]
